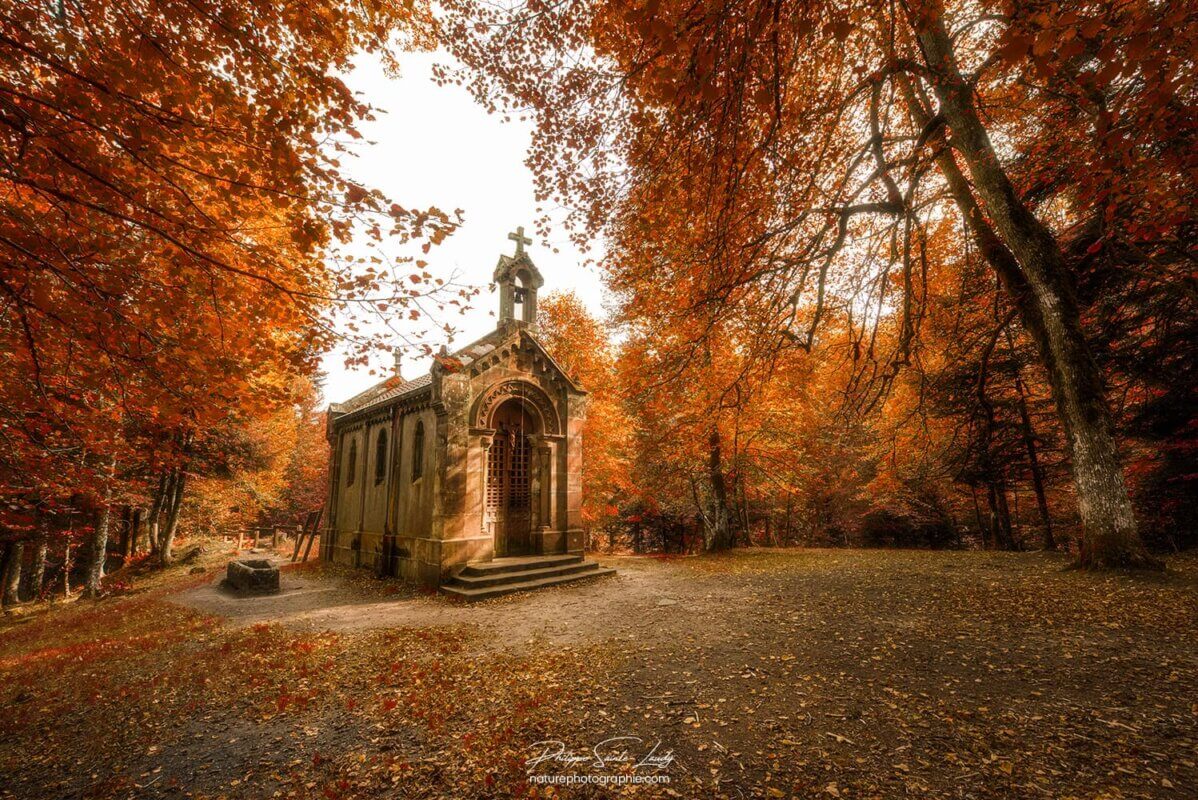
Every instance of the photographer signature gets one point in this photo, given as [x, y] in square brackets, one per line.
[616, 750]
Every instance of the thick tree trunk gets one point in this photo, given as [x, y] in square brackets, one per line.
[99, 551]
[720, 529]
[126, 545]
[155, 517]
[12, 574]
[174, 503]
[37, 570]
[135, 531]
[1000, 513]
[37, 566]
[1042, 290]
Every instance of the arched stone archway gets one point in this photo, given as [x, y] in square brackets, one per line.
[520, 433]
[530, 396]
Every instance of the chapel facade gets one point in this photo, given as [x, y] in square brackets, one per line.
[477, 459]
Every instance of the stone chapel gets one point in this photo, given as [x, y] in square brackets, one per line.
[477, 460]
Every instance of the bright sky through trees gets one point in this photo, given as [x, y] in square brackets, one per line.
[437, 146]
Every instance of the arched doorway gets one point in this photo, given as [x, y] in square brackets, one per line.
[510, 478]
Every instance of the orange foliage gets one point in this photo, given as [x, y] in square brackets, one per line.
[171, 228]
[581, 347]
[775, 181]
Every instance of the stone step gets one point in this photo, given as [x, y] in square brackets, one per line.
[519, 564]
[499, 578]
[487, 592]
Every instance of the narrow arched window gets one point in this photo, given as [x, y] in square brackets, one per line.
[418, 451]
[380, 458]
[351, 462]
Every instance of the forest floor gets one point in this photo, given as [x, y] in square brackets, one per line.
[804, 673]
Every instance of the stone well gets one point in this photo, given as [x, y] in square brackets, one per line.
[252, 576]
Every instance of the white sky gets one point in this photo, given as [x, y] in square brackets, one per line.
[436, 147]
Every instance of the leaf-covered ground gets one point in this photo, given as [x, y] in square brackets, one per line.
[852, 674]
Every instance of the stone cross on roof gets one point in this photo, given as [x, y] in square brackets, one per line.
[520, 239]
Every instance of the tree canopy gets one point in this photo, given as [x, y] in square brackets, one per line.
[779, 177]
[175, 230]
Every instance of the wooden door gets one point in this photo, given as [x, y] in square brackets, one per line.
[518, 516]
[509, 476]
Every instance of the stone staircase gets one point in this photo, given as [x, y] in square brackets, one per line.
[488, 579]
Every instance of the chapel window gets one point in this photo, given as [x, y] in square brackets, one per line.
[351, 462]
[380, 458]
[418, 451]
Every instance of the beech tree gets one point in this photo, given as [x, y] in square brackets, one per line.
[173, 230]
[789, 152]
[581, 346]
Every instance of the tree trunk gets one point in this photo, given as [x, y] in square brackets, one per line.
[12, 574]
[68, 562]
[786, 535]
[99, 550]
[5, 557]
[99, 554]
[126, 545]
[135, 530]
[1000, 513]
[1033, 460]
[743, 509]
[172, 520]
[155, 516]
[983, 529]
[720, 529]
[37, 572]
[1042, 290]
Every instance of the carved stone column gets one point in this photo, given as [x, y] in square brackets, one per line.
[536, 487]
[544, 502]
[541, 499]
[484, 442]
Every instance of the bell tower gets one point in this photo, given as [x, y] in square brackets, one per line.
[518, 280]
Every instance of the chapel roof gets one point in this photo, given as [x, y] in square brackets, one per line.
[493, 340]
[389, 389]
[395, 388]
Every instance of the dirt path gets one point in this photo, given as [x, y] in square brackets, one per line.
[802, 674]
[642, 600]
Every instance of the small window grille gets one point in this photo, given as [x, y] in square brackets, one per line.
[380, 458]
[351, 463]
[418, 451]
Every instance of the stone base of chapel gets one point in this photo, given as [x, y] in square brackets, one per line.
[434, 561]
[547, 542]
